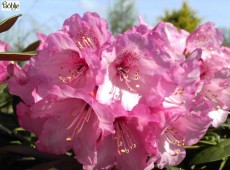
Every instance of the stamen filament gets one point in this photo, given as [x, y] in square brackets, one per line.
[81, 116]
[127, 77]
[75, 73]
[85, 41]
[170, 136]
[124, 139]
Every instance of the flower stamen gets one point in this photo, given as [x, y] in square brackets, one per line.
[212, 97]
[124, 138]
[74, 73]
[170, 135]
[127, 69]
[127, 77]
[80, 117]
[85, 41]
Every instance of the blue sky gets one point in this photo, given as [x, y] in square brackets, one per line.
[53, 13]
[58, 10]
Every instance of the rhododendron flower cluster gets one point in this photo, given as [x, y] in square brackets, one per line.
[132, 101]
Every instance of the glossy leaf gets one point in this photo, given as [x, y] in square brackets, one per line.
[214, 153]
[32, 47]
[8, 23]
[11, 56]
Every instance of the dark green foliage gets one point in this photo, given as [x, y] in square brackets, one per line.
[214, 153]
[121, 16]
[184, 18]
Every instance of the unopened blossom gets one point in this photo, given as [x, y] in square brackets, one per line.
[3, 64]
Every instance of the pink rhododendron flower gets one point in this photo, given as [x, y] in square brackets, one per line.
[89, 31]
[134, 69]
[19, 82]
[181, 127]
[67, 119]
[186, 130]
[71, 56]
[216, 61]
[61, 63]
[205, 37]
[188, 82]
[217, 91]
[214, 85]
[126, 147]
[173, 39]
[3, 64]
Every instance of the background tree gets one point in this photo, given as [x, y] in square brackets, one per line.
[184, 18]
[122, 15]
[226, 33]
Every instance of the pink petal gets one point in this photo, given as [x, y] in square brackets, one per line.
[218, 116]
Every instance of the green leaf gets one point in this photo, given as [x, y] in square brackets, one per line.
[8, 23]
[11, 56]
[213, 153]
[32, 47]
